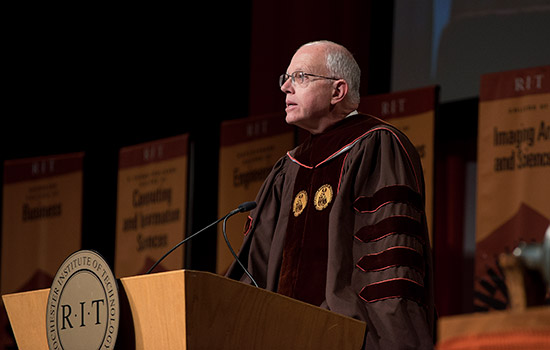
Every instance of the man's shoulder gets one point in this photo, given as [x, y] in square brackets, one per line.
[368, 122]
[365, 124]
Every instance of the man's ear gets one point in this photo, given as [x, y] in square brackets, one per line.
[340, 91]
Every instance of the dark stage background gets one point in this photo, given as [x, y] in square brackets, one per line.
[97, 79]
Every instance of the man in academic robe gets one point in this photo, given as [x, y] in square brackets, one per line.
[340, 220]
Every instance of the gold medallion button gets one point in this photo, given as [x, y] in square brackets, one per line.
[323, 197]
[300, 202]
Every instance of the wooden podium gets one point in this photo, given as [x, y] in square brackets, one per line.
[187, 309]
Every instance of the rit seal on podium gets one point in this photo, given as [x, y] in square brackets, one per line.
[83, 306]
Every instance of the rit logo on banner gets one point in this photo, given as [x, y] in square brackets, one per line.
[529, 82]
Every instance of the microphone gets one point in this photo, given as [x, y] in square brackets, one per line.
[246, 206]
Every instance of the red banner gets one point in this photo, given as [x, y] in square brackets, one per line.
[41, 218]
[151, 205]
[513, 173]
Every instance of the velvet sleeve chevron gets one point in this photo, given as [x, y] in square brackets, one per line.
[384, 242]
[396, 253]
[391, 245]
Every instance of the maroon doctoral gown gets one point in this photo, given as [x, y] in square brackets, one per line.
[340, 224]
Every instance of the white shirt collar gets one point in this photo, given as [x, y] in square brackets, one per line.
[352, 113]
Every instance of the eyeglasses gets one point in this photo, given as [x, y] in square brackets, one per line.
[299, 77]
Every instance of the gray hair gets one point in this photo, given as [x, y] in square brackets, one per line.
[341, 64]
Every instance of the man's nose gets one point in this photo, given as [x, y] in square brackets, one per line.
[287, 86]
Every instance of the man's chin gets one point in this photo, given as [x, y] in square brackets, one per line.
[288, 120]
[292, 120]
